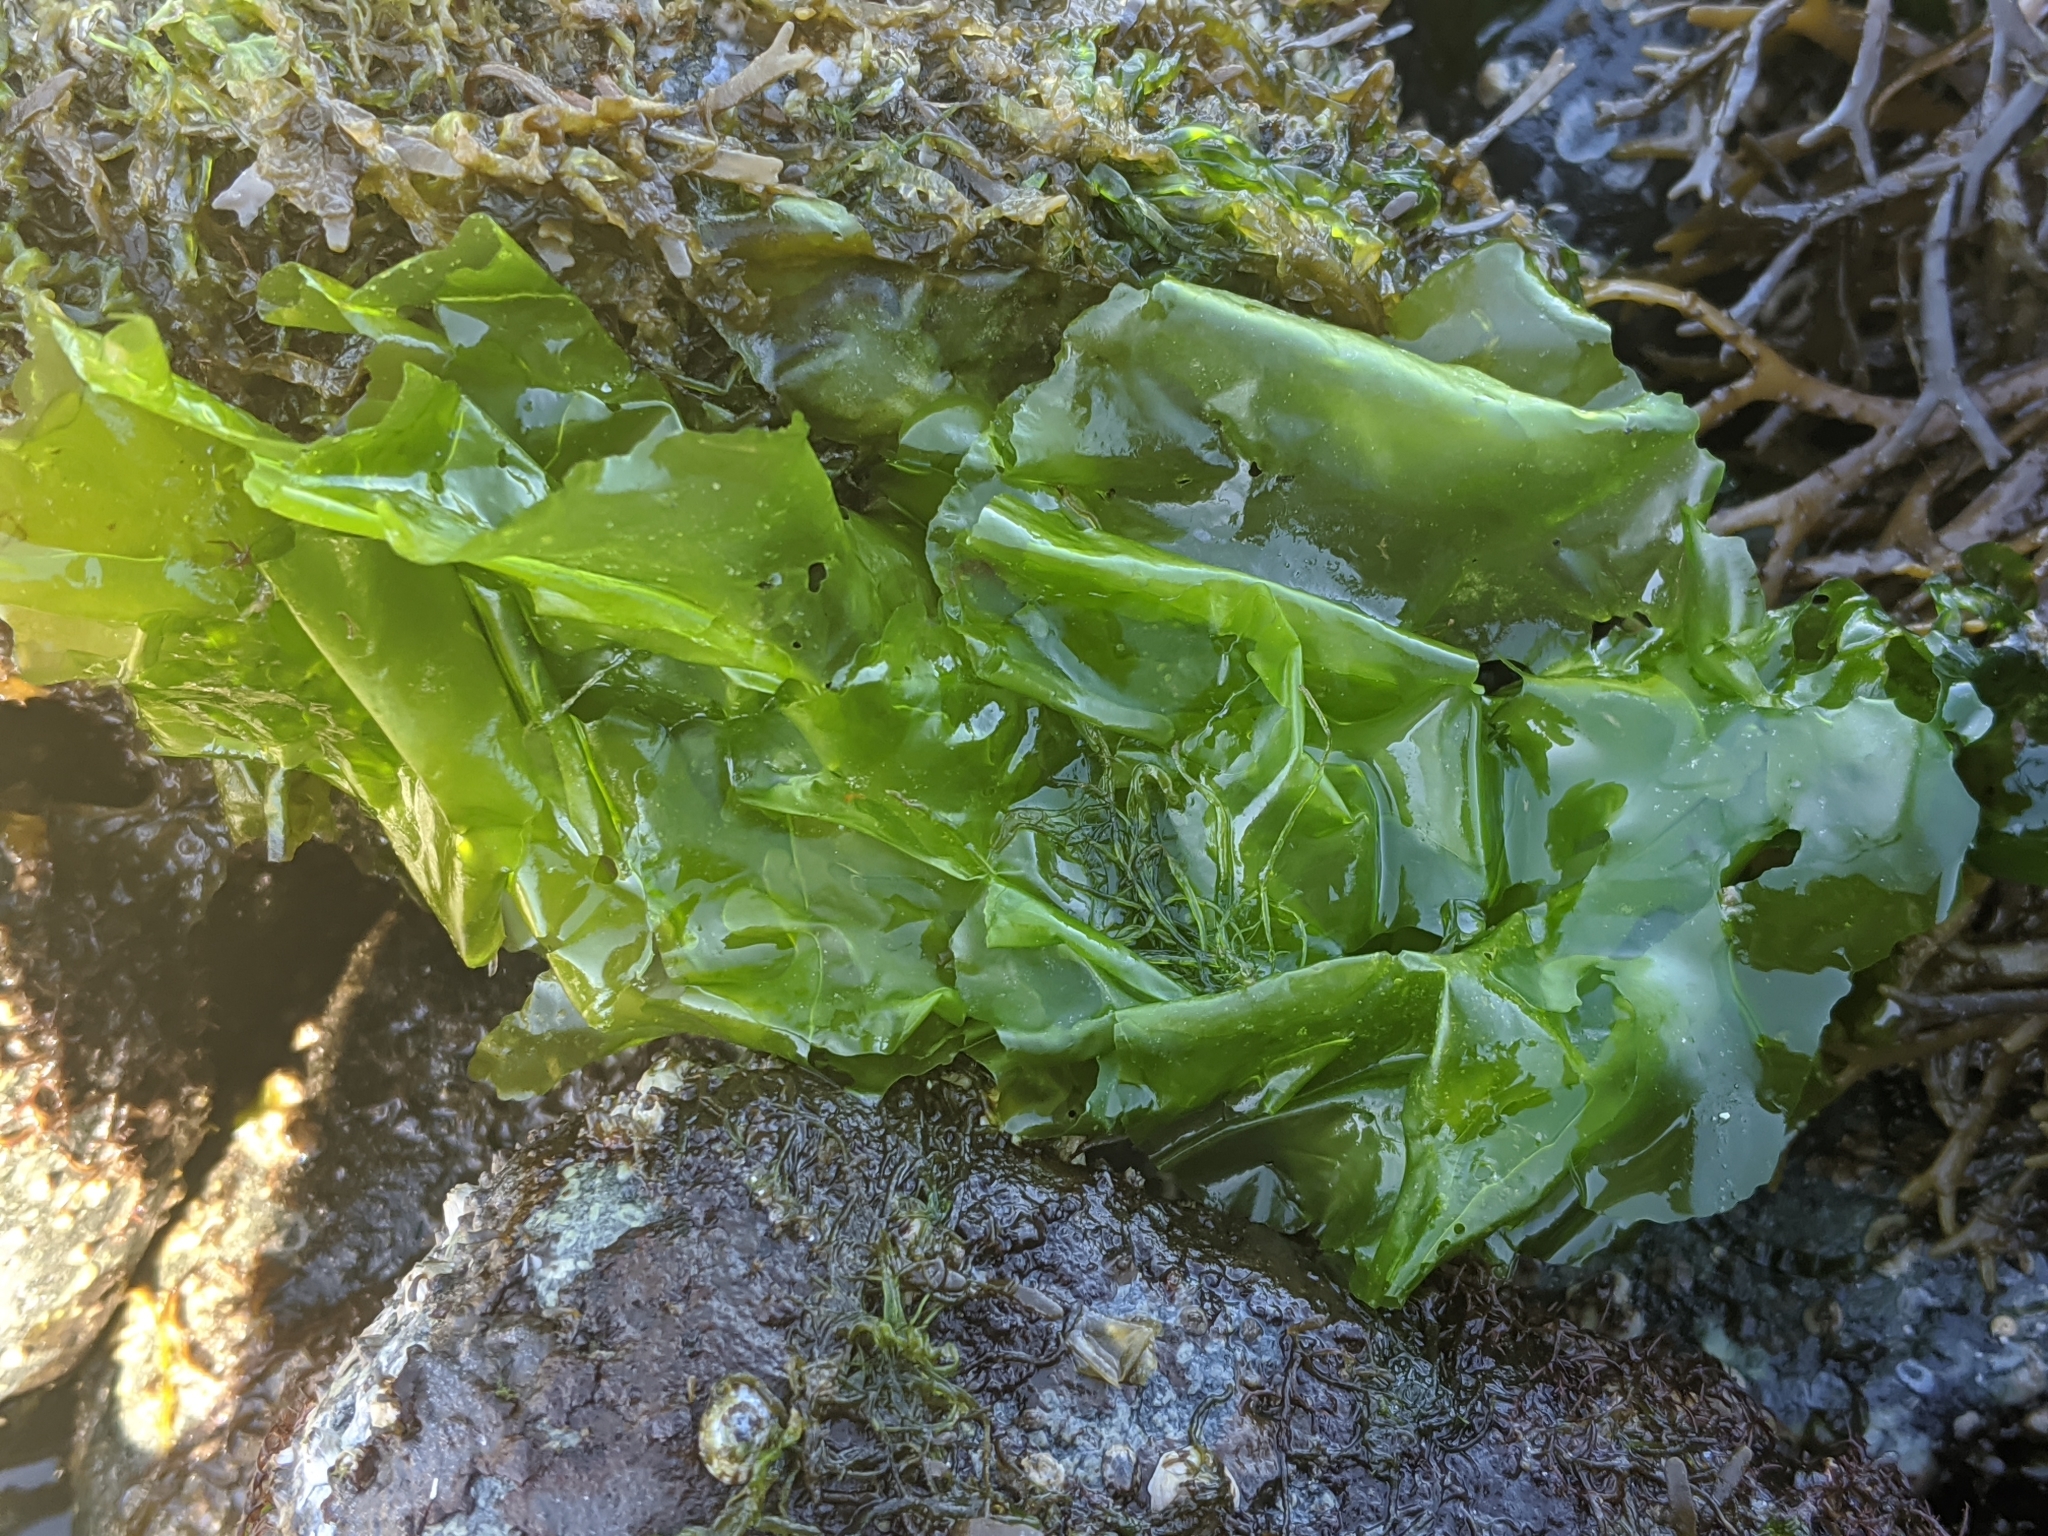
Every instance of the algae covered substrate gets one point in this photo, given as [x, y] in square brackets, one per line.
[1083, 547]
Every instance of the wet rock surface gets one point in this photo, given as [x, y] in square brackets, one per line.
[35, 1492]
[736, 1293]
[107, 862]
[327, 1191]
[1849, 1318]
[150, 974]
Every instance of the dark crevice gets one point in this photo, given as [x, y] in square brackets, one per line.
[1497, 678]
[1760, 860]
[51, 749]
[273, 943]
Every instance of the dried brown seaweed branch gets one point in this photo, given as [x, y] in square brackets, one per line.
[1927, 66]
[1527, 100]
[2004, 507]
[1820, 491]
[1942, 1180]
[1942, 381]
[1852, 113]
[1930, 146]
[1996, 139]
[1971, 1045]
[1704, 176]
[1916, 958]
[1819, 213]
[1909, 526]
[1952, 1007]
[1746, 309]
[1669, 82]
[1770, 377]
[1918, 1048]
[1792, 514]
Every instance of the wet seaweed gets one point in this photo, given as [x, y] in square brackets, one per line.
[1108, 815]
[1881, 422]
[161, 158]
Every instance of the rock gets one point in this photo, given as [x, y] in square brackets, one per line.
[34, 1491]
[866, 1316]
[148, 971]
[107, 861]
[1846, 1317]
[329, 1189]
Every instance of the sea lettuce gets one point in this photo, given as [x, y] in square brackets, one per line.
[1342, 765]
[2004, 668]
[1340, 464]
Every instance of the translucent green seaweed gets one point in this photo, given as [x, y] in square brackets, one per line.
[1160, 779]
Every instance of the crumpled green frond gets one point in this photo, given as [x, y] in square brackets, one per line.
[1156, 773]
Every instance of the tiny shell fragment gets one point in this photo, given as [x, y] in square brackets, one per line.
[1117, 1350]
[1180, 1475]
[742, 1418]
[1043, 1471]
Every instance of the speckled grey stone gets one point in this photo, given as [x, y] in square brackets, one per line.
[911, 1288]
[104, 1079]
[1841, 1312]
[330, 1188]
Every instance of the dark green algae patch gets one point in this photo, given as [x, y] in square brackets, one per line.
[1154, 772]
